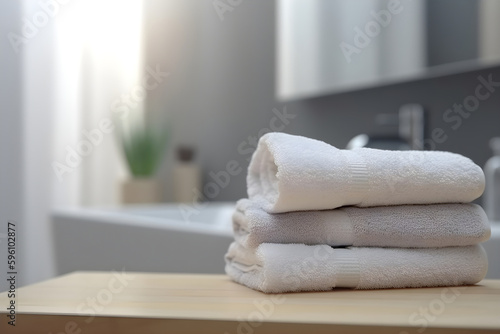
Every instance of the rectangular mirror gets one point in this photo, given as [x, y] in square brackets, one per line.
[333, 46]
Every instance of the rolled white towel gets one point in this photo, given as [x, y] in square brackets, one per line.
[293, 173]
[434, 225]
[277, 268]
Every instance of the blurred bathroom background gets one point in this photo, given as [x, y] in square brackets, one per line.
[203, 80]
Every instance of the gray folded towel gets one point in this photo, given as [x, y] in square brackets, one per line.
[436, 225]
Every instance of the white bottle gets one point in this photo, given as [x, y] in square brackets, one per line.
[492, 177]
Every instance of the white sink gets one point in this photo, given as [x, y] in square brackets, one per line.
[161, 238]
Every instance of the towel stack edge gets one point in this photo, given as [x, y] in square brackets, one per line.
[319, 218]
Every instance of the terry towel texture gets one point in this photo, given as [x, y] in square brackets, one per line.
[401, 219]
[277, 268]
[293, 173]
[436, 225]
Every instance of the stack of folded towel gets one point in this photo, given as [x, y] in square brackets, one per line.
[319, 218]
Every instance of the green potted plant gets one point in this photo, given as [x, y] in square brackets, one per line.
[143, 147]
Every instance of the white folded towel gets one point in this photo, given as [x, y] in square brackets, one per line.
[276, 268]
[293, 173]
[434, 225]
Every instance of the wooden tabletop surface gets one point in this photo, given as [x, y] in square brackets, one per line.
[107, 302]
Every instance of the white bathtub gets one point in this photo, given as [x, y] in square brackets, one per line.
[160, 239]
[143, 238]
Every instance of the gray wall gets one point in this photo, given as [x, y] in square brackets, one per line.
[11, 128]
[225, 94]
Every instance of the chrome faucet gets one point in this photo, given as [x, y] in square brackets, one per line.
[410, 123]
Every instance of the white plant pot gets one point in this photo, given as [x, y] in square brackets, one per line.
[141, 190]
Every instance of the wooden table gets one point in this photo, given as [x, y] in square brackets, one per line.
[105, 302]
